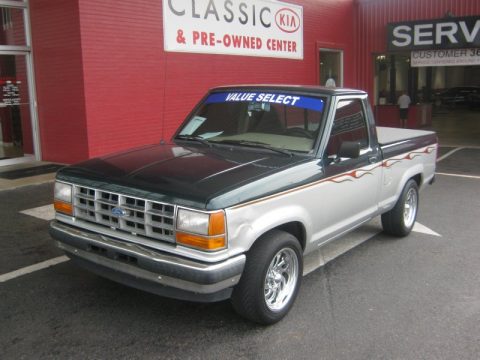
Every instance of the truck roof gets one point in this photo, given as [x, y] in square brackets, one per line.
[315, 89]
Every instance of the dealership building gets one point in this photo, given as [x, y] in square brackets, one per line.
[83, 78]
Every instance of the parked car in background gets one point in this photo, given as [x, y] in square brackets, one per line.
[457, 95]
[473, 99]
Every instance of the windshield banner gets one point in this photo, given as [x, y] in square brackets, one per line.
[248, 27]
[304, 102]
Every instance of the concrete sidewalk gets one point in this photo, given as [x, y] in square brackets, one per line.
[6, 184]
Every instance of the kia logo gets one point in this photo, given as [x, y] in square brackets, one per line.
[119, 212]
[287, 20]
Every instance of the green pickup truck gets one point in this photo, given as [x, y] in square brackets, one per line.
[255, 179]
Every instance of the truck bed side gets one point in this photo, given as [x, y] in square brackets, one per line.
[406, 154]
[393, 136]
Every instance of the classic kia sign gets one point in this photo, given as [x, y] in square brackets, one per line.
[447, 33]
[247, 27]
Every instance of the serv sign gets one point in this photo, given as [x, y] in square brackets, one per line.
[449, 33]
[247, 27]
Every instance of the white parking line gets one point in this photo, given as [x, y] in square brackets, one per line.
[334, 249]
[33, 268]
[460, 175]
[424, 230]
[42, 212]
[451, 152]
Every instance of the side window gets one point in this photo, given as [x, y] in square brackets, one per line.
[350, 124]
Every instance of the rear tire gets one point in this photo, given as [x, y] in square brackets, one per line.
[400, 220]
[271, 279]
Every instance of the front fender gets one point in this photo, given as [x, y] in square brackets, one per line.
[246, 224]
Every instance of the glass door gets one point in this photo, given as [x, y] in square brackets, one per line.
[331, 68]
[19, 138]
[15, 120]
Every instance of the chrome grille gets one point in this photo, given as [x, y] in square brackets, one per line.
[140, 217]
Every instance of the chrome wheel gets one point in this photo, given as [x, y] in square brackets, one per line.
[271, 278]
[400, 219]
[410, 207]
[281, 279]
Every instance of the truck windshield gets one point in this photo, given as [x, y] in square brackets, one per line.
[268, 119]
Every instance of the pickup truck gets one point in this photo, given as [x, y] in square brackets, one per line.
[254, 182]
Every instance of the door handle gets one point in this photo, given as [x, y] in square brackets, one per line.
[372, 159]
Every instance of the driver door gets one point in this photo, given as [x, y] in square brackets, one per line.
[352, 185]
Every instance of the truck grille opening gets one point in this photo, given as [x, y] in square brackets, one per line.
[135, 216]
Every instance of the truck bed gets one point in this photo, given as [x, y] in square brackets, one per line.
[389, 135]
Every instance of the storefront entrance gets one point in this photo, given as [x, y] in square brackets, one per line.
[19, 140]
[331, 67]
[15, 119]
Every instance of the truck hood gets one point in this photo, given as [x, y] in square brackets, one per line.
[184, 175]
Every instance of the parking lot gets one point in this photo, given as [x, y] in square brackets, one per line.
[387, 298]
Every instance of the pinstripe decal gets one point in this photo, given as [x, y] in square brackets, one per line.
[410, 156]
[348, 176]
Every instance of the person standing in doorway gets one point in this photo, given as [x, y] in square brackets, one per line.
[403, 103]
[330, 82]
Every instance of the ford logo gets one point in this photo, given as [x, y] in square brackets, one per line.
[119, 212]
[287, 20]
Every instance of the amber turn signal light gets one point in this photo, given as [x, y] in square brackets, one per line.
[216, 224]
[201, 242]
[63, 207]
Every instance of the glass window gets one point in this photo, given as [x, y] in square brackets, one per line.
[279, 120]
[331, 68]
[12, 31]
[392, 74]
[349, 125]
[15, 119]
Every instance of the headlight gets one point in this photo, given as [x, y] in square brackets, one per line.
[200, 230]
[63, 192]
[63, 198]
[193, 221]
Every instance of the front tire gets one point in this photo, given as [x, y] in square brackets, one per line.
[271, 279]
[400, 220]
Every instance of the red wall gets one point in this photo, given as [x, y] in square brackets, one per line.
[374, 15]
[192, 74]
[105, 83]
[57, 53]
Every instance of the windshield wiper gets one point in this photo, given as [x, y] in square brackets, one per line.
[194, 138]
[257, 144]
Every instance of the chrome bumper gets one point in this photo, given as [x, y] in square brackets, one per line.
[146, 269]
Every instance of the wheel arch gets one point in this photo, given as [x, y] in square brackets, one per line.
[294, 228]
[418, 179]
[297, 229]
[416, 173]
[248, 226]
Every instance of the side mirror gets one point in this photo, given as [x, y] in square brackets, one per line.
[349, 149]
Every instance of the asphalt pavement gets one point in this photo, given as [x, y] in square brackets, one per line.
[387, 298]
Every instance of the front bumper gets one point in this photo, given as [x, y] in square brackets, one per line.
[147, 269]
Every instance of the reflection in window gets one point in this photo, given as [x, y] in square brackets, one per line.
[349, 125]
[283, 121]
[6, 19]
[13, 29]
